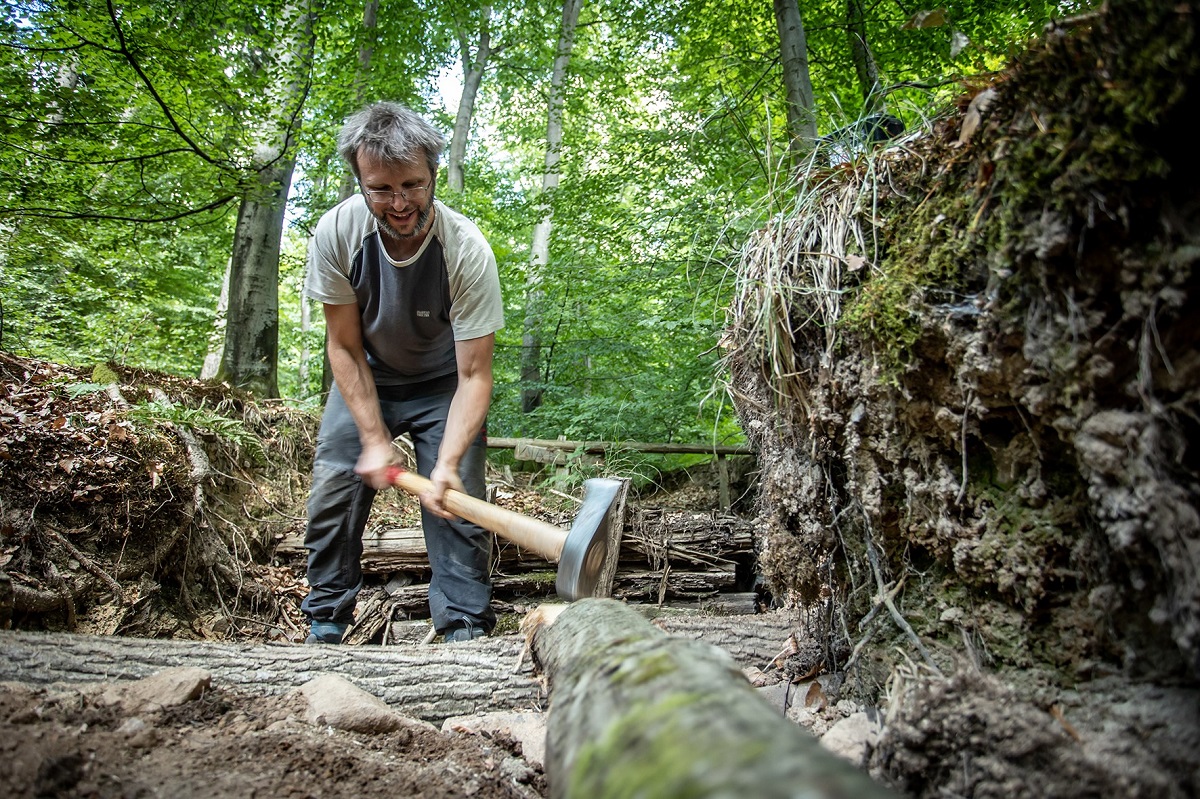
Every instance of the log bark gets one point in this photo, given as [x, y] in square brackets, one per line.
[402, 549]
[634, 712]
[658, 537]
[430, 682]
[653, 537]
[752, 639]
[659, 585]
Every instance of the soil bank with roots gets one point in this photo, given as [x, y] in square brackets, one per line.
[969, 364]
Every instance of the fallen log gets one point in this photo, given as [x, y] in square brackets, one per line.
[430, 682]
[634, 712]
[655, 586]
[402, 549]
[754, 639]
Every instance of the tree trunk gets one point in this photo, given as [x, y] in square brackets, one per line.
[864, 60]
[793, 48]
[250, 359]
[634, 712]
[365, 53]
[430, 682]
[212, 361]
[531, 343]
[473, 69]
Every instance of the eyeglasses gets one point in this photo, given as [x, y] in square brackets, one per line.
[385, 197]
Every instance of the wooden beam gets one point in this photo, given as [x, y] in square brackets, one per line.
[604, 446]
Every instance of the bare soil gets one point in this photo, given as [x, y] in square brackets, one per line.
[64, 743]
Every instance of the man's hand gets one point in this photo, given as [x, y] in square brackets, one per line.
[373, 465]
[441, 478]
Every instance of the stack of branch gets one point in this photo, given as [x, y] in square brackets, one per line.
[666, 557]
[685, 556]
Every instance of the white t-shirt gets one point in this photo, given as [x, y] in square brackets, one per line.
[414, 310]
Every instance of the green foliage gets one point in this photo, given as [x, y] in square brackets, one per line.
[673, 134]
[201, 420]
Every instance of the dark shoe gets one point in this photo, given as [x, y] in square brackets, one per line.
[325, 632]
[463, 631]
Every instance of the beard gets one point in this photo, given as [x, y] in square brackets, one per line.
[423, 214]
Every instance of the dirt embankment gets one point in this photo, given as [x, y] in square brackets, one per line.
[977, 407]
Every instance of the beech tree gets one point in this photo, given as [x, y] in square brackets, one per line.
[531, 375]
[793, 46]
[252, 344]
[474, 65]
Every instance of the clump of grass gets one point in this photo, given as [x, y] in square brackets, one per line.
[795, 274]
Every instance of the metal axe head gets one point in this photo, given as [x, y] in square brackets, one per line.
[582, 560]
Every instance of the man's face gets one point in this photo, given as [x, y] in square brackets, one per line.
[400, 195]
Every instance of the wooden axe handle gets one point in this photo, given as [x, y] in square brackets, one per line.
[539, 537]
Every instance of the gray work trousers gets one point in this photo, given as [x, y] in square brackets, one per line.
[339, 503]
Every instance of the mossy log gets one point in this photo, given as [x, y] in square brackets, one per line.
[634, 712]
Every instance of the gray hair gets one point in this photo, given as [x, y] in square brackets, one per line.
[390, 132]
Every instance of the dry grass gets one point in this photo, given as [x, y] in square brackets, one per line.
[795, 271]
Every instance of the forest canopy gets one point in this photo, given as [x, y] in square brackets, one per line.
[164, 162]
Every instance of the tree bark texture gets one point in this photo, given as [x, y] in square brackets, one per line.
[431, 682]
[793, 49]
[250, 359]
[864, 60]
[634, 712]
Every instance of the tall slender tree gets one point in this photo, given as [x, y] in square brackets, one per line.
[474, 65]
[793, 48]
[531, 375]
[865, 67]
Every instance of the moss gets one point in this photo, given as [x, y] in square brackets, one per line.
[653, 747]
[593, 774]
[542, 578]
[103, 375]
[644, 669]
[1090, 134]
[507, 623]
[931, 242]
[1020, 549]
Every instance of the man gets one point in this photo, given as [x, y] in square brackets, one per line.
[412, 304]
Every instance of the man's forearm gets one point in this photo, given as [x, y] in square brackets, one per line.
[357, 386]
[468, 410]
